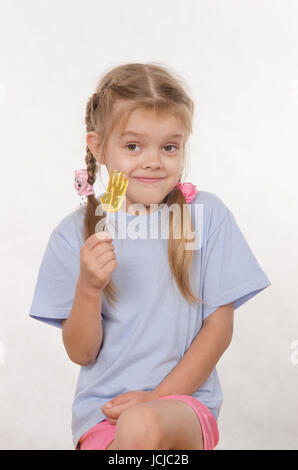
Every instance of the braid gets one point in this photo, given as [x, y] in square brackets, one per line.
[91, 163]
[91, 219]
[109, 84]
[94, 101]
[91, 109]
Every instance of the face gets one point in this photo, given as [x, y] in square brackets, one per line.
[149, 150]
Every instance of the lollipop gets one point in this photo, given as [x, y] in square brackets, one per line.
[113, 198]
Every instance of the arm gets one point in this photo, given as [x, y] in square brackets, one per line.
[82, 331]
[202, 356]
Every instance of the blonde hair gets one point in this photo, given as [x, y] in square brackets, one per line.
[149, 87]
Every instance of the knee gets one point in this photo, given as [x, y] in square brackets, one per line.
[139, 427]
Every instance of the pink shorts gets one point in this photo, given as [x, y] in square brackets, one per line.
[102, 434]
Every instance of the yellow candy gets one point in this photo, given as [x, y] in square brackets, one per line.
[113, 198]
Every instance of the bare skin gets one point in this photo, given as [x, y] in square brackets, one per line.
[173, 424]
[82, 330]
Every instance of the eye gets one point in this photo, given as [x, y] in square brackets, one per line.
[171, 146]
[129, 145]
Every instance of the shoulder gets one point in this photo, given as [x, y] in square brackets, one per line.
[212, 208]
[71, 228]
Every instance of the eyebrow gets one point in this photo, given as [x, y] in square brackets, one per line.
[144, 135]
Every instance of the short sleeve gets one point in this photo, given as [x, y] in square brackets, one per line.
[230, 271]
[56, 281]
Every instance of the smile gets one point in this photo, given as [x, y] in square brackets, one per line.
[149, 180]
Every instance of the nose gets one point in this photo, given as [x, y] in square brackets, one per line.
[152, 162]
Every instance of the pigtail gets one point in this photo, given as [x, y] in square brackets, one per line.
[91, 219]
[180, 260]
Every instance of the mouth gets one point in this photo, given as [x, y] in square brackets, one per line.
[148, 180]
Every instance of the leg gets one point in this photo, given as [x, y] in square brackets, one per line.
[159, 424]
[99, 437]
[112, 445]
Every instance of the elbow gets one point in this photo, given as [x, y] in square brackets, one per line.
[84, 363]
[82, 355]
[229, 336]
[81, 361]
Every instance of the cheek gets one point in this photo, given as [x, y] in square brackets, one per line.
[129, 170]
[174, 169]
[118, 161]
[129, 166]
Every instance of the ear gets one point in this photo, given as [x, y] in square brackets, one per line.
[93, 141]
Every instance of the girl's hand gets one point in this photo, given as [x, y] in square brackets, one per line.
[124, 401]
[97, 261]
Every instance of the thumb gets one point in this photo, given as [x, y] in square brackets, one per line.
[104, 235]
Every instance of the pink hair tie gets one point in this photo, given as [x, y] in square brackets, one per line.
[81, 185]
[188, 190]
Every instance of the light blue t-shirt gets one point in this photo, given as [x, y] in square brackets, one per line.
[148, 331]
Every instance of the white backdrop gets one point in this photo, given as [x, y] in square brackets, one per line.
[240, 60]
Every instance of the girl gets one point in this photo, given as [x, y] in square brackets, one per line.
[147, 317]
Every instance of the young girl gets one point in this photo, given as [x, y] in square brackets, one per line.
[146, 316]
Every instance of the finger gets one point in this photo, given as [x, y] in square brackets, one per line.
[112, 421]
[97, 239]
[100, 262]
[102, 248]
[101, 244]
[123, 397]
[115, 411]
[103, 236]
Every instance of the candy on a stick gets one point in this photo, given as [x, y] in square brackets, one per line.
[113, 197]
